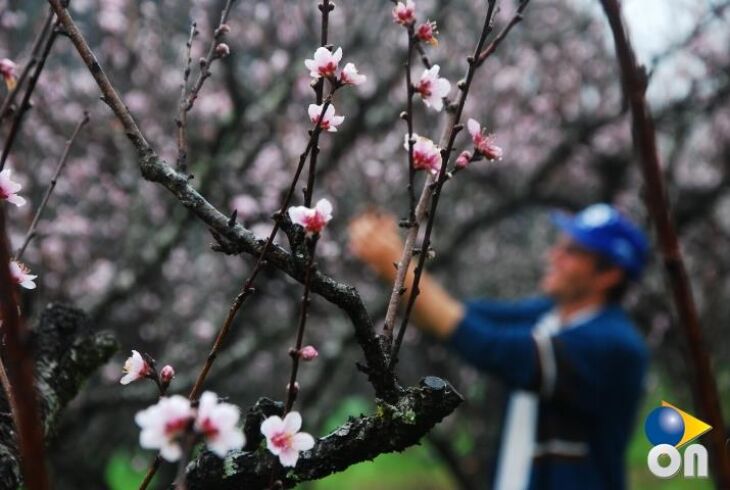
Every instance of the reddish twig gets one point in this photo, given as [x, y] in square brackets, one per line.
[30, 234]
[21, 371]
[635, 82]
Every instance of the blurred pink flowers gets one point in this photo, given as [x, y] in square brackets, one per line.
[20, 274]
[426, 155]
[484, 143]
[350, 76]
[329, 121]
[432, 88]
[162, 425]
[404, 13]
[216, 422]
[283, 438]
[9, 189]
[313, 220]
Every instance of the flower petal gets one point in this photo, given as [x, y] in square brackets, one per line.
[292, 422]
[302, 441]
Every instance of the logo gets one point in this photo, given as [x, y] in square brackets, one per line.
[668, 429]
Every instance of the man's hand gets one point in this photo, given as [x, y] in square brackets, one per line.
[374, 239]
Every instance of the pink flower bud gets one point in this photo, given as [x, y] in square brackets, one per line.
[7, 71]
[296, 387]
[313, 220]
[308, 353]
[222, 50]
[223, 29]
[463, 159]
[166, 374]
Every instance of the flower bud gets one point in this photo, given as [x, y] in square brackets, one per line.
[222, 50]
[308, 353]
[166, 374]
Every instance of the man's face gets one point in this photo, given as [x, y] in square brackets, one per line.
[571, 273]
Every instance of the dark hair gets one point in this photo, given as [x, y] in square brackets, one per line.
[616, 293]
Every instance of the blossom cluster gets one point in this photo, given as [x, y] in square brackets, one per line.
[165, 423]
[325, 64]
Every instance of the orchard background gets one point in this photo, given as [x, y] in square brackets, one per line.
[142, 267]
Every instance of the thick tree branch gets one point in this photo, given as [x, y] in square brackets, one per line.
[394, 427]
[67, 351]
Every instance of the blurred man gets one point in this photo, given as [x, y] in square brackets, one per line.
[572, 359]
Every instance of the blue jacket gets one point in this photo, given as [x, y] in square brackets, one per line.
[598, 369]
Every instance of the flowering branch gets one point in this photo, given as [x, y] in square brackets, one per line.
[325, 7]
[635, 82]
[25, 102]
[30, 234]
[453, 128]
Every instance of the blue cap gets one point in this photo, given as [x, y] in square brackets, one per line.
[600, 228]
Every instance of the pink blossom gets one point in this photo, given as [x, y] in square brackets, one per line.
[283, 438]
[163, 423]
[216, 422]
[9, 189]
[324, 63]
[350, 76]
[484, 143]
[167, 373]
[20, 274]
[432, 88]
[426, 155]
[135, 368]
[308, 353]
[313, 220]
[329, 122]
[404, 13]
[426, 32]
[7, 71]
[462, 161]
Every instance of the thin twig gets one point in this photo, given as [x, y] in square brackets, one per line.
[492, 47]
[409, 120]
[212, 55]
[30, 234]
[35, 50]
[635, 82]
[295, 352]
[21, 369]
[182, 113]
[25, 102]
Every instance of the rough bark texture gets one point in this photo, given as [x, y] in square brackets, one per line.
[392, 428]
[67, 352]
